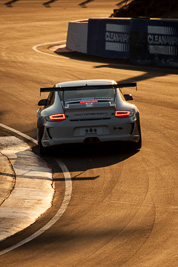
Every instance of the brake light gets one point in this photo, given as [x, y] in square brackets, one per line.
[89, 101]
[122, 113]
[57, 117]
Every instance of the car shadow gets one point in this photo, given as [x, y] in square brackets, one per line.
[82, 157]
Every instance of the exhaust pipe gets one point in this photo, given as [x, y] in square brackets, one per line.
[91, 140]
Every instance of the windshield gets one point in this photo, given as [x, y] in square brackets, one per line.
[75, 95]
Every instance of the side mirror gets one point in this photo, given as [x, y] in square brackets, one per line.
[43, 102]
[128, 97]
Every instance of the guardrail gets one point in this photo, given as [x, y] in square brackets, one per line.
[141, 41]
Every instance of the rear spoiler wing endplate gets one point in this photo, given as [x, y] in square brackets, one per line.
[70, 88]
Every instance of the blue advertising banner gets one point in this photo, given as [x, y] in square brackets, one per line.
[109, 38]
[154, 42]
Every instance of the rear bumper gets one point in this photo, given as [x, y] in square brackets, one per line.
[60, 141]
[132, 134]
[126, 130]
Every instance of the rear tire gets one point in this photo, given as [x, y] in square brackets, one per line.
[42, 149]
[138, 145]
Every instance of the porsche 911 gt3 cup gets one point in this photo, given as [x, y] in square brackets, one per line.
[87, 111]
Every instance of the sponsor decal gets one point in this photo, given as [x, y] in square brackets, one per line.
[117, 37]
[162, 40]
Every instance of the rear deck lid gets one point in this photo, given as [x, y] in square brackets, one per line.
[89, 104]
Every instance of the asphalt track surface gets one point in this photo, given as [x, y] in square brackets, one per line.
[124, 205]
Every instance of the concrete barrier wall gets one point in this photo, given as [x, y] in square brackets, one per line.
[77, 36]
[109, 38]
[154, 42]
[141, 41]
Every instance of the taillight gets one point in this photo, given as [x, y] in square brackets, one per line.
[57, 117]
[89, 101]
[122, 113]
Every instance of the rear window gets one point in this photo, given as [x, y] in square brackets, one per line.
[88, 93]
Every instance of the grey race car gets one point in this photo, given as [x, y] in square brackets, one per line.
[87, 111]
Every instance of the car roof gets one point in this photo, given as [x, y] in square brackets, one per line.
[86, 82]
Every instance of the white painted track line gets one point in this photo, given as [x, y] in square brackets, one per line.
[65, 202]
[19, 133]
[62, 209]
[33, 192]
[35, 48]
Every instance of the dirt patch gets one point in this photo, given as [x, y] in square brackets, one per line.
[147, 9]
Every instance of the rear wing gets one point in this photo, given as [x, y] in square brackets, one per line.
[71, 88]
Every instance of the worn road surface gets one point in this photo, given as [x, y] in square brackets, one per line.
[123, 208]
